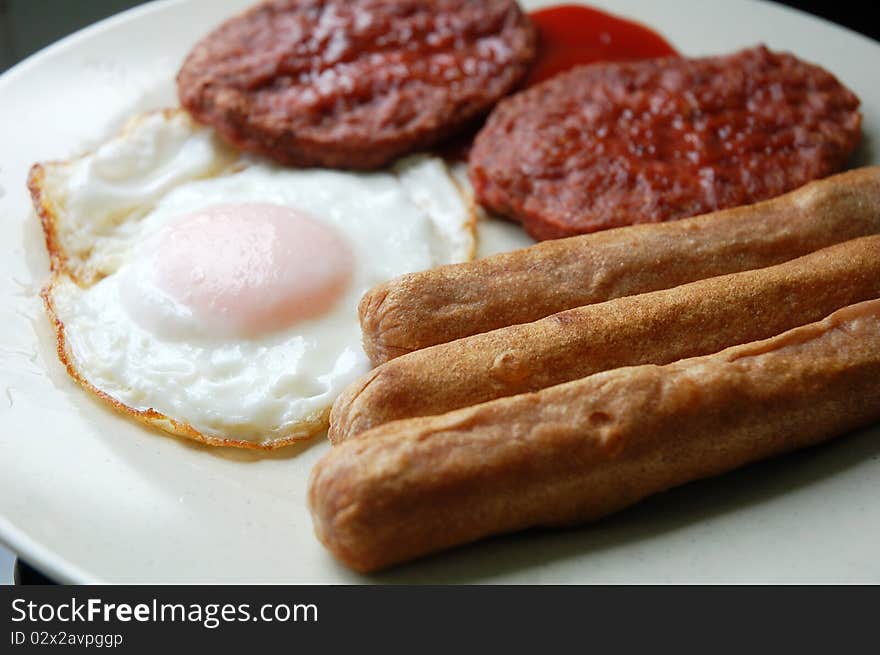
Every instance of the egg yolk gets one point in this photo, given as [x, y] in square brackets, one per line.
[252, 268]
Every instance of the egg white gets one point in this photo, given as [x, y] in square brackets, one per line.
[264, 391]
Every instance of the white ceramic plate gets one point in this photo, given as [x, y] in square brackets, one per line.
[90, 496]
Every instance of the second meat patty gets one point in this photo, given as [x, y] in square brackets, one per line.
[609, 145]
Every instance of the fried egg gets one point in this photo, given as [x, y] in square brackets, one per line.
[214, 295]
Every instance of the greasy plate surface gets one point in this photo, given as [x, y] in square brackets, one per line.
[90, 496]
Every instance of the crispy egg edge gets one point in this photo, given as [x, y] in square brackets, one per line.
[306, 429]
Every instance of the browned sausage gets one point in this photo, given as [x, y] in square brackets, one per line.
[423, 309]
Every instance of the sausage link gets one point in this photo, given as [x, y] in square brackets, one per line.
[450, 302]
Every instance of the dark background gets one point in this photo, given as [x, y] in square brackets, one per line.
[858, 16]
[29, 25]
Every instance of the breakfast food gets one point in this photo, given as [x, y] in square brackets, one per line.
[579, 451]
[615, 144]
[652, 328]
[426, 308]
[354, 83]
[215, 296]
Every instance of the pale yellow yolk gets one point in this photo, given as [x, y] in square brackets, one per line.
[252, 268]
